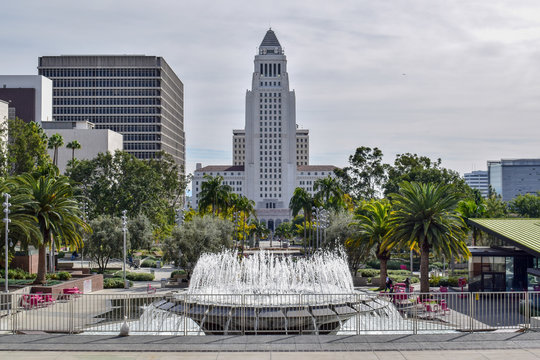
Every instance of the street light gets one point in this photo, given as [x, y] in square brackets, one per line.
[6, 221]
[85, 215]
[179, 221]
[124, 229]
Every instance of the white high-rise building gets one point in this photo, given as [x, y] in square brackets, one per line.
[271, 155]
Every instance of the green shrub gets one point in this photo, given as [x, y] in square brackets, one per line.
[434, 281]
[391, 264]
[139, 276]
[64, 275]
[443, 281]
[61, 254]
[115, 283]
[178, 272]
[436, 265]
[149, 263]
[369, 273]
[399, 272]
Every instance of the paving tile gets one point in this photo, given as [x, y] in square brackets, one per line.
[389, 355]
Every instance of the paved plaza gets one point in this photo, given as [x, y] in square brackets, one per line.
[520, 346]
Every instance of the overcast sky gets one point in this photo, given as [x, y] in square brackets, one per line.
[459, 80]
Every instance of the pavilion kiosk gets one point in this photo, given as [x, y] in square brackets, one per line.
[511, 262]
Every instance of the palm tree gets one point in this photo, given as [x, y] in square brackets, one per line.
[301, 200]
[214, 193]
[57, 211]
[374, 228]
[258, 229]
[73, 145]
[469, 209]
[247, 207]
[283, 231]
[55, 141]
[329, 193]
[424, 218]
[23, 225]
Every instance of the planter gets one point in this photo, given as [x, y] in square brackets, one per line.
[360, 281]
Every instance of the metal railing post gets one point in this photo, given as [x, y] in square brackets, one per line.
[527, 313]
[471, 312]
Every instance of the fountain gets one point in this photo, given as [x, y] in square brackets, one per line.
[265, 293]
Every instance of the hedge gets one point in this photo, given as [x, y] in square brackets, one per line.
[149, 263]
[178, 272]
[115, 283]
[139, 276]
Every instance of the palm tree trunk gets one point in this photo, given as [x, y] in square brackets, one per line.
[42, 265]
[72, 154]
[305, 242]
[384, 270]
[424, 267]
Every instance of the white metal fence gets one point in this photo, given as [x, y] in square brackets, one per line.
[193, 314]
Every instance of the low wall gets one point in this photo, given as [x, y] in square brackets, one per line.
[85, 283]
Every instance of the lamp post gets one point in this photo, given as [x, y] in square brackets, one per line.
[6, 221]
[124, 229]
[179, 221]
[85, 216]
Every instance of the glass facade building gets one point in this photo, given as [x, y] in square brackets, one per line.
[138, 96]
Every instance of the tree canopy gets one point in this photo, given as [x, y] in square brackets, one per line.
[119, 181]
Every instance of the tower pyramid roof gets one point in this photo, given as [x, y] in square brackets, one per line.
[270, 39]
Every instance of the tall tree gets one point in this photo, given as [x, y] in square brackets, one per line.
[247, 209]
[119, 181]
[414, 168]
[329, 193]
[302, 200]
[527, 205]
[470, 209]
[106, 241]
[374, 228]
[214, 194]
[364, 175]
[200, 235]
[57, 211]
[73, 145]
[495, 207]
[27, 147]
[258, 230]
[55, 142]
[425, 218]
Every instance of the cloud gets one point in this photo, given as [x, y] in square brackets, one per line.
[457, 79]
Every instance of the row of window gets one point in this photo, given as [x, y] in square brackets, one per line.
[145, 154]
[267, 112]
[270, 118]
[270, 189]
[142, 146]
[106, 110]
[270, 83]
[100, 72]
[106, 92]
[142, 137]
[266, 196]
[105, 119]
[270, 70]
[269, 94]
[270, 107]
[270, 129]
[77, 83]
[107, 101]
[269, 100]
[131, 128]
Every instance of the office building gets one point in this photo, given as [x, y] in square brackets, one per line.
[137, 96]
[92, 141]
[29, 97]
[478, 180]
[271, 154]
[512, 177]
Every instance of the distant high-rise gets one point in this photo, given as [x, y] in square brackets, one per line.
[512, 177]
[138, 96]
[478, 180]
